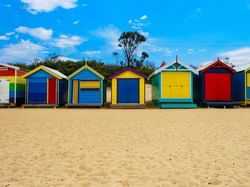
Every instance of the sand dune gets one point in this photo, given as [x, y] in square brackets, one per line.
[121, 148]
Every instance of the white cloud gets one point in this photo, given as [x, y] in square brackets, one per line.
[144, 17]
[195, 51]
[140, 24]
[110, 33]
[64, 59]
[4, 37]
[84, 5]
[76, 22]
[21, 52]
[39, 32]
[10, 33]
[155, 49]
[237, 57]
[65, 41]
[91, 53]
[36, 6]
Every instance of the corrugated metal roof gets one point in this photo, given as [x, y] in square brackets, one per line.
[168, 65]
[10, 66]
[57, 72]
[242, 67]
[51, 71]
[225, 65]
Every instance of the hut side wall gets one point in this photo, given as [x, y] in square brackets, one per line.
[196, 88]
[239, 86]
[156, 88]
[63, 91]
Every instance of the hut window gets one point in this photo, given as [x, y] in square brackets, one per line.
[3, 69]
[90, 85]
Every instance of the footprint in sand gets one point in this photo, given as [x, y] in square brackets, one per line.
[214, 181]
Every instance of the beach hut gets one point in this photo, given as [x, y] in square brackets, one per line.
[216, 84]
[12, 85]
[86, 87]
[174, 86]
[241, 85]
[45, 87]
[128, 89]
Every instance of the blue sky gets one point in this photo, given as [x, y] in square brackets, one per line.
[198, 31]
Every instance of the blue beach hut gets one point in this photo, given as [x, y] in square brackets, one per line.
[241, 85]
[86, 87]
[45, 87]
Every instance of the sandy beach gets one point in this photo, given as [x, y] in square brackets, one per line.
[121, 148]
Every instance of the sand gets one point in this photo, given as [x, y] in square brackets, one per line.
[121, 148]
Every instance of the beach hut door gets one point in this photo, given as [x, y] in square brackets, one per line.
[128, 91]
[75, 91]
[218, 87]
[248, 85]
[4, 91]
[52, 91]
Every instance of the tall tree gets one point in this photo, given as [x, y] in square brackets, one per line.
[130, 41]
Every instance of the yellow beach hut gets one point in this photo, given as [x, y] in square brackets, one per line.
[128, 89]
[175, 86]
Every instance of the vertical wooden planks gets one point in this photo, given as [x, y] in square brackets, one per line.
[75, 91]
[52, 91]
[4, 91]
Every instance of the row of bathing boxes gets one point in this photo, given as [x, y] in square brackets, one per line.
[174, 85]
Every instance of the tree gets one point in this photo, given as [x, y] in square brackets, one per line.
[117, 58]
[52, 57]
[130, 41]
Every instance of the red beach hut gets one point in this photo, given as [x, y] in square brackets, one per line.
[216, 81]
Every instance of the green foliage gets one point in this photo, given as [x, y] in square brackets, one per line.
[68, 67]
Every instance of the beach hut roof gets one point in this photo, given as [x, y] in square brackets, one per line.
[88, 68]
[127, 69]
[168, 65]
[216, 64]
[51, 71]
[10, 66]
[243, 68]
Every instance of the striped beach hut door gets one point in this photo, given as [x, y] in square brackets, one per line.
[52, 91]
[4, 91]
